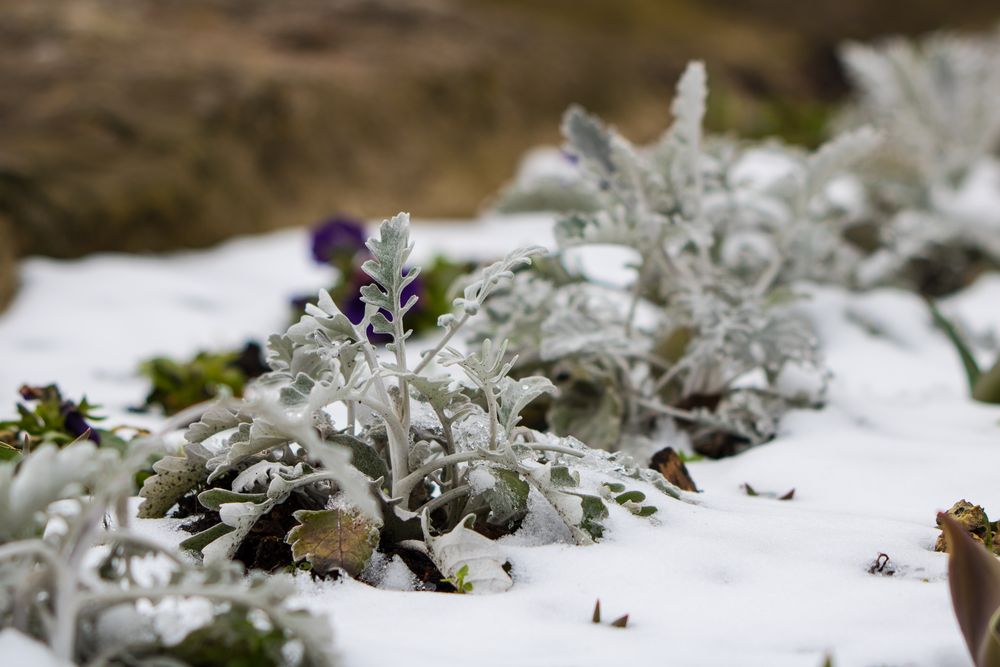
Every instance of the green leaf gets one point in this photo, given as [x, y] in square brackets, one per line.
[974, 578]
[987, 386]
[9, 452]
[334, 538]
[199, 541]
[508, 497]
[563, 476]
[363, 456]
[232, 639]
[582, 513]
[630, 497]
[972, 371]
[594, 511]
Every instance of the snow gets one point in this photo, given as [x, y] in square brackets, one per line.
[19, 649]
[724, 579]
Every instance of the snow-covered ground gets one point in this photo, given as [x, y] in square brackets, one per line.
[726, 580]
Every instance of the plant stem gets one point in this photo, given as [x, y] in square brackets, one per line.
[445, 339]
[444, 498]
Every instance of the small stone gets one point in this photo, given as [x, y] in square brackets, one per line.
[971, 517]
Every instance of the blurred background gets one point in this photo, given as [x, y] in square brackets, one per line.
[144, 125]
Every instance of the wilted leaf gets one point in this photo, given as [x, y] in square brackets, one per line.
[334, 538]
[670, 465]
[987, 385]
[974, 578]
[463, 547]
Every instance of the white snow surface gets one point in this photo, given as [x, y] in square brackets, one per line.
[726, 579]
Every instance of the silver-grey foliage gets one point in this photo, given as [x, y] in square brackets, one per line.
[340, 423]
[932, 189]
[70, 567]
[704, 332]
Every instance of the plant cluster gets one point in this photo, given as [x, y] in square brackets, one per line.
[340, 243]
[721, 231]
[349, 452]
[984, 385]
[931, 191]
[703, 332]
[45, 417]
[177, 385]
[75, 577]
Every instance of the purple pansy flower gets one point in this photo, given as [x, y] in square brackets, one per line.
[76, 425]
[354, 308]
[338, 238]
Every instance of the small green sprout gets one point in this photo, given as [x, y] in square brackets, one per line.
[459, 582]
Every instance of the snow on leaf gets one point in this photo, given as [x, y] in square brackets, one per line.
[464, 547]
[548, 194]
[515, 395]
[488, 279]
[440, 394]
[582, 513]
[333, 538]
[485, 367]
[323, 319]
[249, 440]
[216, 419]
[44, 476]
[838, 154]
[506, 495]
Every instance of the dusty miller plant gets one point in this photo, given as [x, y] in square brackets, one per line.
[345, 449]
[938, 102]
[703, 332]
[74, 576]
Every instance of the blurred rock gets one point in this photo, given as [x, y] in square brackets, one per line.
[8, 264]
[142, 125]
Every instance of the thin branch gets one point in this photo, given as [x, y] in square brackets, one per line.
[429, 355]
[444, 498]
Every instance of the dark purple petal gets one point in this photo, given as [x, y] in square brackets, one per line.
[337, 237]
[353, 307]
[77, 426]
[414, 288]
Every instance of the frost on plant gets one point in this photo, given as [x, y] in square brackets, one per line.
[346, 449]
[718, 232]
[932, 189]
[67, 579]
